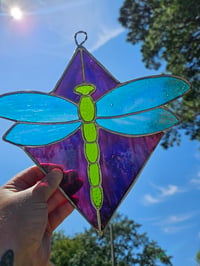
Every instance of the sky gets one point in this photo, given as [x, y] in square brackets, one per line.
[34, 53]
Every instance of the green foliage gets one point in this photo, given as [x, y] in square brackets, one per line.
[169, 32]
[198, 257]
[88, 248]
[61, 244]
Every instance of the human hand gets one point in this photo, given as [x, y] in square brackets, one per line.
[31, 207]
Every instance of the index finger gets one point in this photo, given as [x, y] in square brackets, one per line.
[30, 176]
[27, 178]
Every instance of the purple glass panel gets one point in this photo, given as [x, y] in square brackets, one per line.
[121, 158]
[96, 74]
[70, 78]
[121, 161]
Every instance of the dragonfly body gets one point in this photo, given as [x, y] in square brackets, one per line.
[87, 113]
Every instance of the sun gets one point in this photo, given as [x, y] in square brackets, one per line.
[16, 13]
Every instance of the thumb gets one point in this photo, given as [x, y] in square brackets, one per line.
[47, 186]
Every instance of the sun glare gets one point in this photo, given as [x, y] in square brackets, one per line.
[16, 13]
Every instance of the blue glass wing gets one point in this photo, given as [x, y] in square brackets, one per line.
[141, 94]
[36, 107]
[143, 123]
[39, 134]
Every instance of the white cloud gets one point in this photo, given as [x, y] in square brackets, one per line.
[162, 194]
[169, 190]
[174, 219]
[173, 223]
[175, 229]
[107, 35]
[196, 181]
[149, 199]
[176, 222]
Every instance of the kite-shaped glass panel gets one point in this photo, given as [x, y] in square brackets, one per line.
[96, 126]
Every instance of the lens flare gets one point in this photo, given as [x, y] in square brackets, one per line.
[16, 13]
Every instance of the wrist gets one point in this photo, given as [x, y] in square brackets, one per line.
[9, 257]
[22, 259]
[12, 254]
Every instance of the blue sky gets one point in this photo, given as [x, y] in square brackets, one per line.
[34, 53]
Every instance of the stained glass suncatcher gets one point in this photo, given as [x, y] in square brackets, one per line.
[102, 129]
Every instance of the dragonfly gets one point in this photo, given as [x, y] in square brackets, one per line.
[134, 108]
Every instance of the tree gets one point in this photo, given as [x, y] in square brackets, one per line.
[169, 33]
[198, 257]
[131, 247]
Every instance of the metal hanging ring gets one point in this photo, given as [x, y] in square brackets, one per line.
[76, 40]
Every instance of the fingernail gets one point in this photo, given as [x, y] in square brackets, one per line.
[57, 171]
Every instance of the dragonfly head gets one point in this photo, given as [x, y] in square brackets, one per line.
[85, 89]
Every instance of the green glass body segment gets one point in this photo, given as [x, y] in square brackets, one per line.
[87, 108]
[87, 113]
[94, 174]
[89, 132]
[92, 152]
